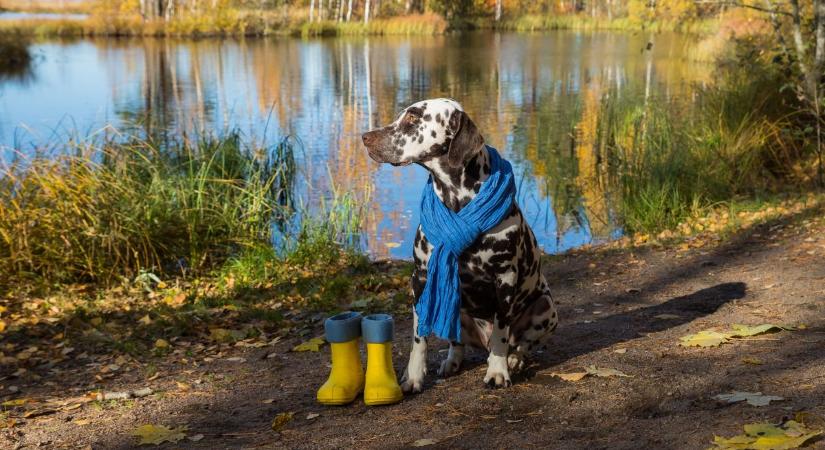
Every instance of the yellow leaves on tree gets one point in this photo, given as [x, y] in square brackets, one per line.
[764, 436]
[158, 434]
[711, 338]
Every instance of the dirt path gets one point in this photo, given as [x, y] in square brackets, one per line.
[608, 300]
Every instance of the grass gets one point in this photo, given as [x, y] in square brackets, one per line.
[228, 22]
[239, 22]
[98, 213]
[417, 24]
[535, 22]
[34, 6]
[672, 163]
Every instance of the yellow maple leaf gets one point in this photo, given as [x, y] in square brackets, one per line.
[157, 434]
[765, 436]
[705, 338]
[312, 345]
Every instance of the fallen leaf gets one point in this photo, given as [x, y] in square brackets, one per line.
[38, 412]
[82, 422]
[161, 343]
[312, 345]
[706, 338]
[195, 438]
[225, 336]
[605, 372]
[183, 386]
[752, 398]
[424, 442]
[146, 320]
[747, 330]
[753, 361]
[15, 402]
[620, 351]
[158, 434]
[765, 436]
[573, 376]
[311, 416]
[281, 420]
[142, 392]
[667, 316]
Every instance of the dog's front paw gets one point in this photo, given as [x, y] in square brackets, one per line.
[498, 375]
[412, 383]
[449, 367]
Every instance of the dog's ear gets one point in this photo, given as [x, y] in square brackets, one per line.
[466, 138]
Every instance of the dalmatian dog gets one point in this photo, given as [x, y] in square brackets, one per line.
[506, 307]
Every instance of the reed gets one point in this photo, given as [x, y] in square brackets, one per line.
[672, 163]
[98, 213]
[537, 22]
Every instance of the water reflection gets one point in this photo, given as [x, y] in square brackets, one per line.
[535, 97]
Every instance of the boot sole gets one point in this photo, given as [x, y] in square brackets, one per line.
[335, 402]
[383, 401]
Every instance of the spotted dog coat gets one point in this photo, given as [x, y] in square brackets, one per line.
[506, 305]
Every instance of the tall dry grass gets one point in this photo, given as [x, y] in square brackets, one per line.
[96, 213]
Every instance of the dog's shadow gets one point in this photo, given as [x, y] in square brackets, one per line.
[579, 338]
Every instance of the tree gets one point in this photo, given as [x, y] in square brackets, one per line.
[804, 26]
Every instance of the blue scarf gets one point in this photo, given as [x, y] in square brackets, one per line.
[450, 233]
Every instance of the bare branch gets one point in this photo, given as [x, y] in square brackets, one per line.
[744, 5]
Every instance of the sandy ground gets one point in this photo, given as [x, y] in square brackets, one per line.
[609, 301]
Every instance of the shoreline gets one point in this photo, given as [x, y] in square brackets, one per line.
[244, 26]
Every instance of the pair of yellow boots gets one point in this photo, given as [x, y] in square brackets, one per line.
[347, 379]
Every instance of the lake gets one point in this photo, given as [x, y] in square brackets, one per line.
[535, 97]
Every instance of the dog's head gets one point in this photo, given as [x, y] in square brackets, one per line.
[435, 129]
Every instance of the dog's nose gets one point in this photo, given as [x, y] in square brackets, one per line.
[369, 138]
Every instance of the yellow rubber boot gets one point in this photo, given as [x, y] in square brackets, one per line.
[346, 379]
[381, 386]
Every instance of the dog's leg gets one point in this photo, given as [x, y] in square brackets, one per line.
[498, 374]
[534, 327]
[452, 362]
[413, 378]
